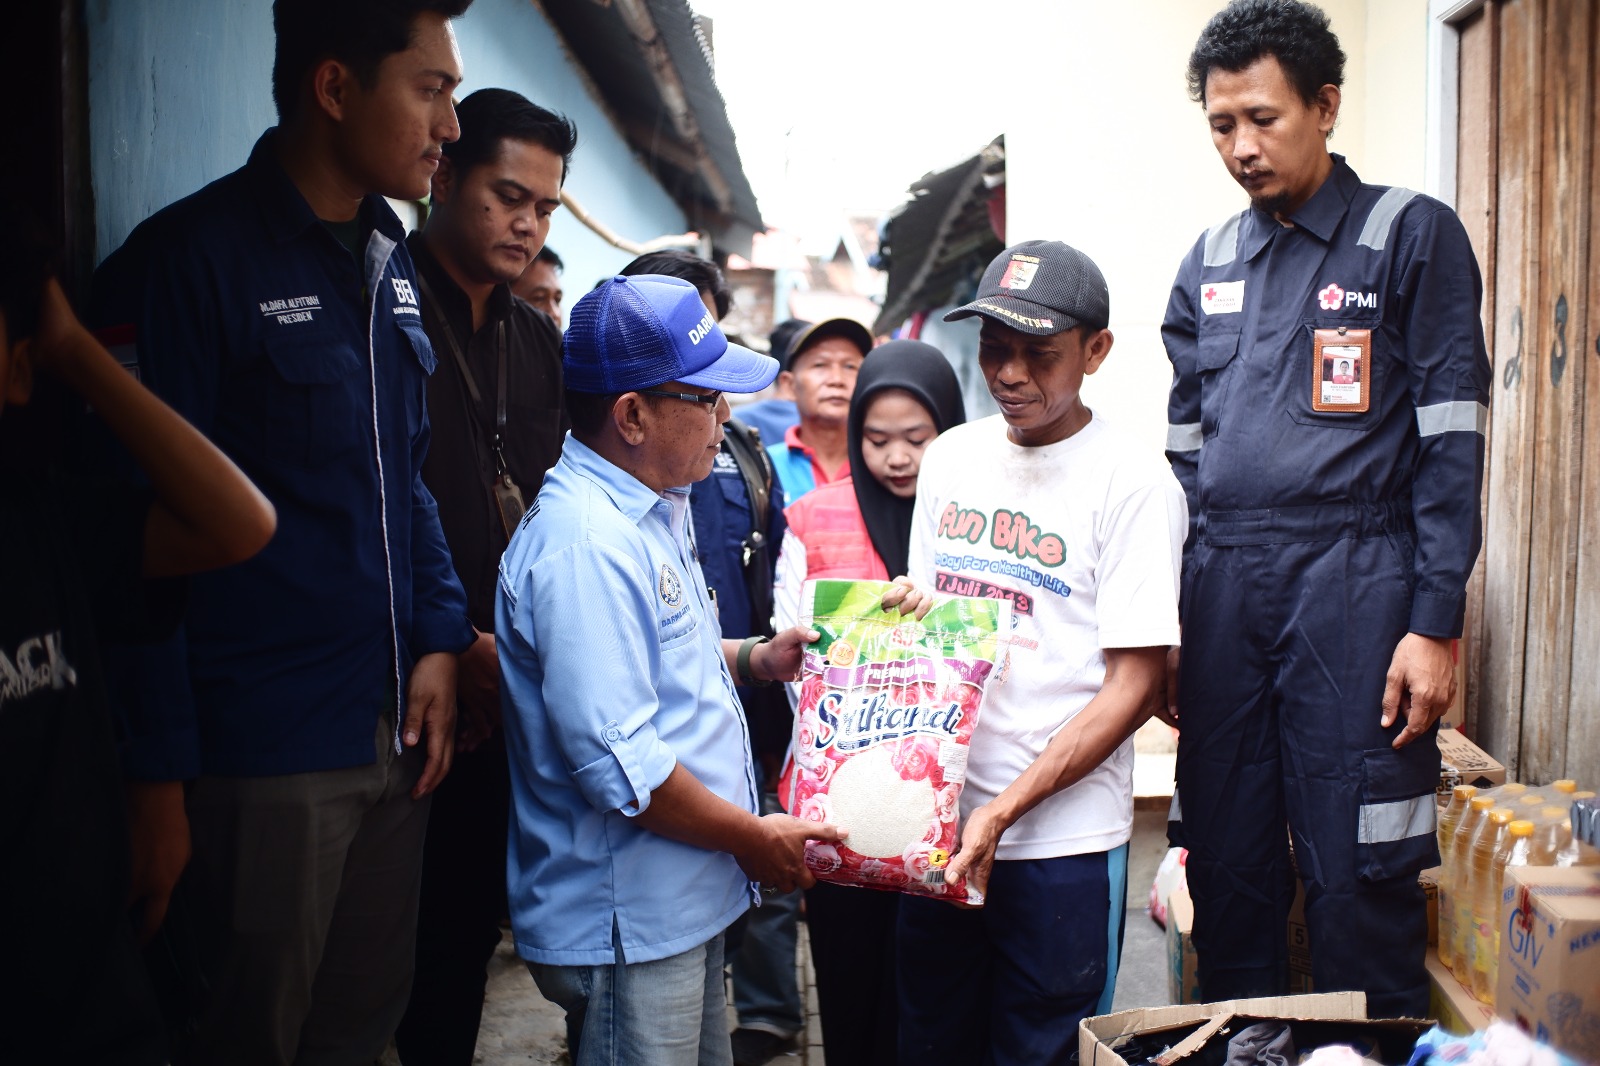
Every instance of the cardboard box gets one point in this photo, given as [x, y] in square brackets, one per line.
[1299, 943]
[1100, 1037]
[1461, 762]
[1429, 880]
[1451, 1003]
[1183, 975]
[1300, 938]
[1550, 956]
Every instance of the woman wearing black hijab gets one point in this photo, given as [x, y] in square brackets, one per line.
[860, 528]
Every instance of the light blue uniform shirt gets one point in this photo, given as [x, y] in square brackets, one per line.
[612, 672]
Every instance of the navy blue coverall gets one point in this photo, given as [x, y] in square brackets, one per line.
[1320, 538]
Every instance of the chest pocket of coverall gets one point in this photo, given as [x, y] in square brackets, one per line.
[1305, 380]
[1214, 351]
[316, 405]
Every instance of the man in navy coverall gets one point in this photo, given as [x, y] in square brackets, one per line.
[1335, 525]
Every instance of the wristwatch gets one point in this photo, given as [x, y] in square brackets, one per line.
[742, 662]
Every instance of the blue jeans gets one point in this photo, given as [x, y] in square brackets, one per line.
[766, 993]
[669, 1012]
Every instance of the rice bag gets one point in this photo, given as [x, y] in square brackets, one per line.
[886, 713]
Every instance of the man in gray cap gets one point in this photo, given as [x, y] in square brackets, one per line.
[1081, 528]
[819, 370]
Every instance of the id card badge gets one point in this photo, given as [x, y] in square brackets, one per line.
[509, 502]
[1341, 370]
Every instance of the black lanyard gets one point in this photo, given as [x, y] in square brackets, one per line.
[435, 310]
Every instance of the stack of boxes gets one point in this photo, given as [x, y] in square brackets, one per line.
[1549, 972]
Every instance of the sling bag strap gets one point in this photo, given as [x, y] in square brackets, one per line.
[744, 444]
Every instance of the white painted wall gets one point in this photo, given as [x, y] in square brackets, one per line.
[1105, 151]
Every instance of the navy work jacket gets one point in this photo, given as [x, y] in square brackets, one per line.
[309, 369]
[1245, 435]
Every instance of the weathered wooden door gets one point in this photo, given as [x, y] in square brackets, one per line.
[1529, 174]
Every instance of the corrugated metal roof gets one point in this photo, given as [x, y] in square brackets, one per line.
[602, 42]
[939, 240]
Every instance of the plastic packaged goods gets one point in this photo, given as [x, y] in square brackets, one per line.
[1515, 849]
[1586, 818]
[1453, 895]
[1554, 834]
[1504, 795]
[1551, 833]
[887, 708]
[1476, 883]
[1449, 819]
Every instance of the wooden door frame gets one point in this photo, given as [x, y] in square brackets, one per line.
[1442, 112]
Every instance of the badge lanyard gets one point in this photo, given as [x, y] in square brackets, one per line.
[507, 496]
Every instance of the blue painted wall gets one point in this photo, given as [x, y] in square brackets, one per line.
[179, 90]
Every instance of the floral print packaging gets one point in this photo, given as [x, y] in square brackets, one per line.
[886, 711]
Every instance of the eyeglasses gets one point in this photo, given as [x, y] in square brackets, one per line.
[710, 399]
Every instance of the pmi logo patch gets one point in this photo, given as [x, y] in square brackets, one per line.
[1334, 297]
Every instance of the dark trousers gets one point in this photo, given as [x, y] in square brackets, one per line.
[1285, 650]
[1007, 984]
[305, 888]
[463, 900]
[852, 933]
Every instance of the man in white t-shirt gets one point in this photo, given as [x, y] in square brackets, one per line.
[1082, 529]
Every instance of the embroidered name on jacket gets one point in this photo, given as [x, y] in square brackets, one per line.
[291, 310]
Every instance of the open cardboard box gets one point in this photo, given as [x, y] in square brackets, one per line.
[1461, 762]
[1193, 1032]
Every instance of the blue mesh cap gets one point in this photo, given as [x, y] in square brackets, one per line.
[643, 331]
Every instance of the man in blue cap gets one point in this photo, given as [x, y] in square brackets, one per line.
[636, 840]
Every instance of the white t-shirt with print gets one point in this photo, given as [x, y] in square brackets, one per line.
[1085, 537]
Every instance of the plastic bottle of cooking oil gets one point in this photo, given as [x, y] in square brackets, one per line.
[1449, 819]
[1552, 830]
[1479, 883]
[1455, 910]
[1515, 849]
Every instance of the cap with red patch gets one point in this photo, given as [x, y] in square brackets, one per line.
[1041, 287]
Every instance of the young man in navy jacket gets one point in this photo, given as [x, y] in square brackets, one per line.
[311, 697]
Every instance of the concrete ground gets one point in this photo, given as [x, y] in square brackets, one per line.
[520, 1027]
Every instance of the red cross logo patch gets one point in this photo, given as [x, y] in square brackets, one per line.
[1331, 298]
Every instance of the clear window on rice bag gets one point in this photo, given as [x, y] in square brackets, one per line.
[886, 712]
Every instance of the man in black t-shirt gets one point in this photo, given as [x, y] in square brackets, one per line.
[75, 562]
[495, 406]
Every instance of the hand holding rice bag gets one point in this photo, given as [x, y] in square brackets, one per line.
[886, 713]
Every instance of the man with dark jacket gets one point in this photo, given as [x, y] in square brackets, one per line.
[312, 699]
